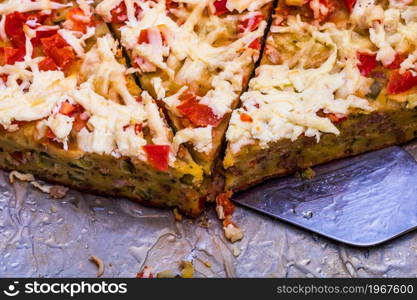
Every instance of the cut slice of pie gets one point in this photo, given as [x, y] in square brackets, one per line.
[337, 78]
[194, 57]
[69, 113]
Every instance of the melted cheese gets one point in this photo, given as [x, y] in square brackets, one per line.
[60, 125]
[110, 129]
[109, 125]
[386, 54]
[200, 137]
[364, 12]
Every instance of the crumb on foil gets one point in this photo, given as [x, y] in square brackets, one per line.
[232, 232]
[145, 273]
[20, 176]
[165, 274]
[177, 215]
[235, 251]
[55, 191]
[58, 191]
[187, 269]
[306, 174]
[225, 209]
[99, 263]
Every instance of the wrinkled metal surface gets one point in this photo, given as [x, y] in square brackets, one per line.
[43, 237]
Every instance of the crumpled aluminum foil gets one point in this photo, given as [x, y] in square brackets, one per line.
[44, 237]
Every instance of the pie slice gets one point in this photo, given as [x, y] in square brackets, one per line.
[337, 78]
[194, 57]
[69, 113]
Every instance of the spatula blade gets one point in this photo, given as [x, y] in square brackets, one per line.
[362, 201]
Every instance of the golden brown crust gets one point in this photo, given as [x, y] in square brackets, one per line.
[92, 190]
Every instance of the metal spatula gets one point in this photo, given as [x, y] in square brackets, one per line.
[362, 201]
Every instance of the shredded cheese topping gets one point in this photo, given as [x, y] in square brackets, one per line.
[288, 99]
[114, 117]
[392, 26]
[9, 6]
[192, 47]
[285, 102]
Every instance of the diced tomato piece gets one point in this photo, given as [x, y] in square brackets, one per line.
[14, 28]
[145, 273]
[19, 123]
[198, 114]
[58, 49]
[34, 20]
[399, 83]
[246, 118]
[143, 37]
[256, 44]
[79, 20]
[399, 58]
[79, 122]
[336, 118]
[67, 108]
[37, 18]
[11, 55]
[63, 57]
[48, 64]
[158, 156]
[119, 13]
[321, 8]
[40, 34]
[367, 62]
[138, 128]
[141, 275]
[71, 110]
[4, 77]
[350, 4]
[171, 4]
[281, 14]
[187, 96]
[250, 24]
[54, 41]
[221, 8]
[223, 200]
[78, 113]
[50, 134]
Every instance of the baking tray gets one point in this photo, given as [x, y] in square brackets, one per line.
[43, 237]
